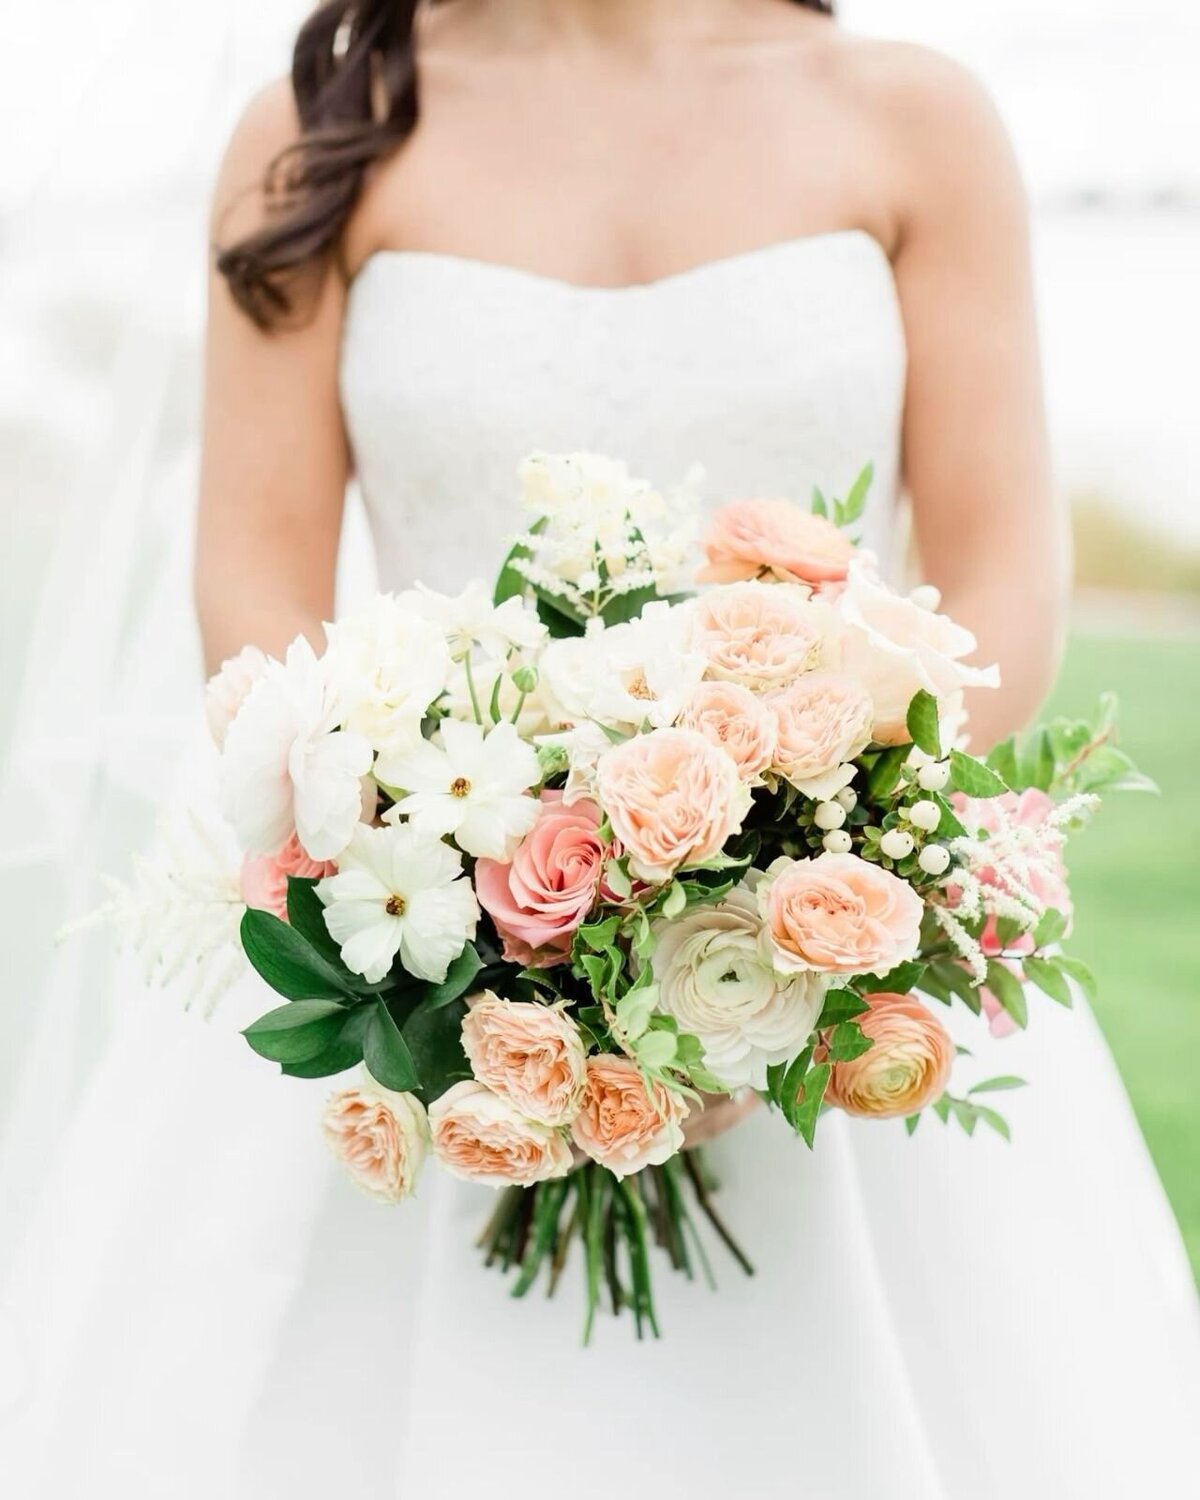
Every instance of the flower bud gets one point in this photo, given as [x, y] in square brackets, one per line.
[935, 777]
[934, 859]
[925, 815]
[829, 815]
[525, 678]
[837, 841]
[896, 843]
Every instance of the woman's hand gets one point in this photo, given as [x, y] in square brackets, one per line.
[715, 1114]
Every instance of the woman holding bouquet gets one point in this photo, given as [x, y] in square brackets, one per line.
[679, 230]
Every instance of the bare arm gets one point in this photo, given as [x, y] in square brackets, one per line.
[990, 529]
[275, 458]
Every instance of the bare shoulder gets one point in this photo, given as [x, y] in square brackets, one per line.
[267, 126]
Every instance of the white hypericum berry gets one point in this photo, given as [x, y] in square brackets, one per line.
[829, 815]
[934, 859]
[926, 596]
[847, 798]
[837, 841]
[897, 844]
[925, 815]
[934, 778]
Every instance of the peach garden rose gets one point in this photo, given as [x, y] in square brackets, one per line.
[623, 1125]
[906, 1070]
[530, 1054]
[839, 914]
[733, 719]
[773, 538]
[761, 638]
[821, 722]
[482, 1137]
[380, 1137]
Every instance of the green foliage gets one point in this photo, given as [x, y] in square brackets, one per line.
[510, 583]
[289, 963]
[884, 771]
[1008, 990]
[923, 724]
[386, 1053]
[972, 777]
[459, 978]
[296, 1032]
[841, 1005]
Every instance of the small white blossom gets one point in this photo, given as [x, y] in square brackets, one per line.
[390, 664]
[471, 619]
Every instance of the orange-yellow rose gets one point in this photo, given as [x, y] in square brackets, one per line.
[484, 1138]
[762, 638]
[623, 1126]
[907, 1069]
[672, 799]
[773, 538]
[821, 722]
[531, 1054]
[732, 718]
[379, 1136]
[838, 914]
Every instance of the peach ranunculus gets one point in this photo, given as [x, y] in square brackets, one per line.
[482, 1137]
[839, 914]
[229, 687]
[531, 1054]
[763, 638]
[621, 1124]
[540, 898]
[896, 646]
[673, 799]
[774, 539]
[732, 718]
[906, 1070]
[264, 882]
[380, 1137]
[822, 722]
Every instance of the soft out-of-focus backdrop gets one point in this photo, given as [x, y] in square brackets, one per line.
[114, 116]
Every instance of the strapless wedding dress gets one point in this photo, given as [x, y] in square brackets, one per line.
[209, 1309]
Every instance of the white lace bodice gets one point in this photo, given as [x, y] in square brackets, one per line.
[774, 370]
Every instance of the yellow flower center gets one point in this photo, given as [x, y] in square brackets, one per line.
[395, 906]
[460, 787]
[640, 688]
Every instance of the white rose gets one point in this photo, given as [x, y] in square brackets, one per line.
[715, 977]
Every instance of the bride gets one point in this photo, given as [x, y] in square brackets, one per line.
[721, 231]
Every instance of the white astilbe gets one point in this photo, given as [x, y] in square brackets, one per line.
[967, 947]
[181, 911]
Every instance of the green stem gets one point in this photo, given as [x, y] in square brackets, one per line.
[471, 688]
[695, 1173]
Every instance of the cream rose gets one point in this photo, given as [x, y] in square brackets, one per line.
[228, 688]
[838, 914]
[479, 1136]
[773, 538]
[907, 1069]
[530, 1054]
[821, 722]
[621, 1124]
[379, 1136]
[717, 981]
[732, 718]
[762, 638]
[673, 799]
[894, 646]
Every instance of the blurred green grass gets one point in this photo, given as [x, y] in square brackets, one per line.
[1136, 878]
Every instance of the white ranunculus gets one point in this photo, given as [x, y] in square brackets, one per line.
[473, 785]
[716, 979]
[390, 664]
[895, 647]
[470, 618]
[287, 766]
[398, 890]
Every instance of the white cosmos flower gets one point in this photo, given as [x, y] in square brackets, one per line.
[288, 766]
[470, 618]
[473, 785]
[390, 664]
[399, 891]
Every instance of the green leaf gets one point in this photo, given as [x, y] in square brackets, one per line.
[882, 777]
[510, 583]
[950, 827]
[288, 962]
[820, 506]
[965, 1114]
[1108, 769]
[1050, 928]
[841, 1005]
[807, 1107]
[558, 617]
[942, 1108]
[847, 1041]
[911, 1123]
[459, 978]
[856, 500]
[616, 878]
[789, 1081]
[972, 777]
[997, 1121]
[599, 935]
[1048, 979]
[657, 1049]
[957, 980]
[998, 1085]
[386, 1053]
[634, 1011]
[344, 1052]
[923, 723]
[676, 900]
[899, 981]
[1038, 769]
[434, 1039]
[306, 915]
[296, 1032]
[1002, 759]
[1008, 990]
[1077, 970]
[626, 607]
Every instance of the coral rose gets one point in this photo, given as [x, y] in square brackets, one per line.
[732, 718]
[531, 1054]
[821, 722]
[672, 799]
[539, 899]
[838, 914]
[776, 539]
[264, 881]
[906, 1070]
[762, 638]
[623, 1126]
[379, 1136]
[479, 1136]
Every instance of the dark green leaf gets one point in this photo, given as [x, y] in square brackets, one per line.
[957, 980]
[629, 606]
[972, 777]
[950, 827]
[1008, 990]
[923, 723]
[306, 915]
[386, 1053]
[434, 1038]
[847, 1041]
[288, 962]
[345, 1051]
[841, 1005]
[882, 777]
[297, 1032]
[1048, 979]
[807, 1105]
[458, 980]
[900, 980]
[558, 617]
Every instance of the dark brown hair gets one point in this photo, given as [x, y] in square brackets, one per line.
[349, 56]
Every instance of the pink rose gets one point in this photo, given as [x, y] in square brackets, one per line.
[672, 798]
[906, 1070]
[838, 914]
[264, 881]
[229, 687]
[734, 720]
[482, 1137]
[776, 539]
[762, 638]
[379, 1136]
[822, 721]
[623, 1126]
[530, 1054]
[551, 885]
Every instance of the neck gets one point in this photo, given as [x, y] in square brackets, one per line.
[630, 22]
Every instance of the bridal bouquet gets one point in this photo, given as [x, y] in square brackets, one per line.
[549, 867]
